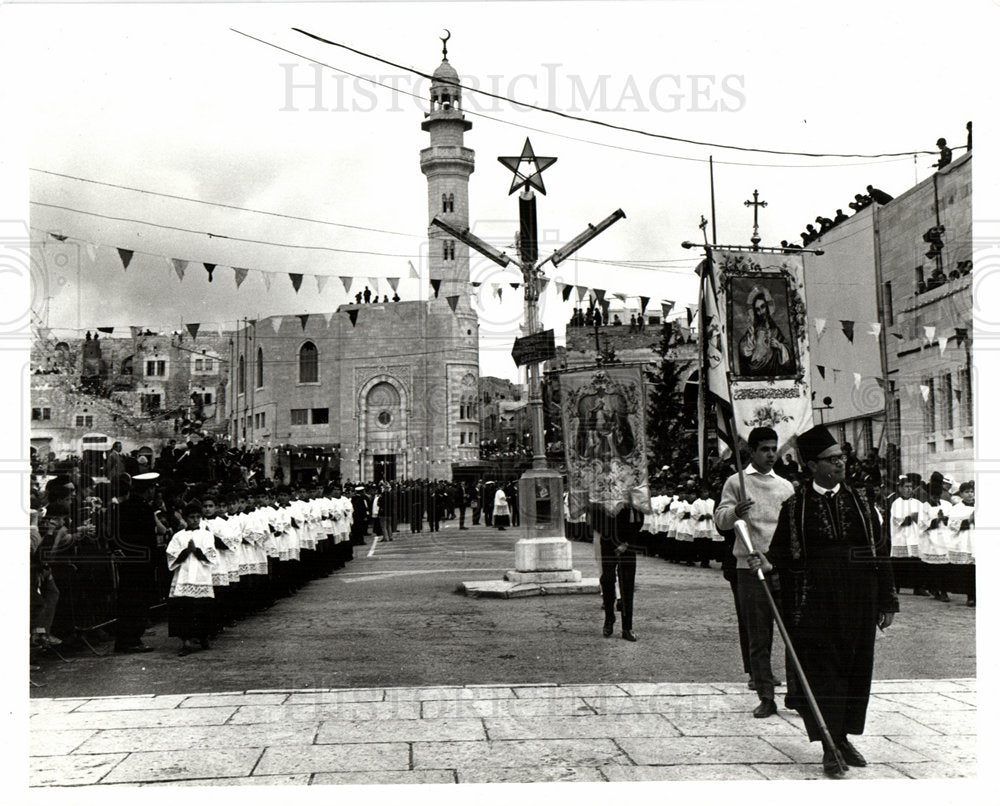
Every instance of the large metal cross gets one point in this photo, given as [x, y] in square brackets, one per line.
[755, 240]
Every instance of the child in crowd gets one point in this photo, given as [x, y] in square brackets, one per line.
[226, 571]
[962, 552]
[904, 531]
[705, 533]
[191, 555]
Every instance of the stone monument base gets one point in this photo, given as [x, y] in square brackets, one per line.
[505, 589]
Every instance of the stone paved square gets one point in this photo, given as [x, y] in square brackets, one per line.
[173, 765]
[335, 758]
[517, 754]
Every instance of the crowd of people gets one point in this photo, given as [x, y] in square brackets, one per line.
[201, 531]
[214, 541]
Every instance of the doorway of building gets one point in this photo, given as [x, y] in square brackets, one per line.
[384, 466]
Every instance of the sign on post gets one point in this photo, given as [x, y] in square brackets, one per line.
[534, 348]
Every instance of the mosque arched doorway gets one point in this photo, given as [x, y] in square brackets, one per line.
[384, 432]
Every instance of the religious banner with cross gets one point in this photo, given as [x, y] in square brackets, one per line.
[756, 341]
[604, 428]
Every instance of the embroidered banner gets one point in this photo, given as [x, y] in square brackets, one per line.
[604, 423]
[761, 341]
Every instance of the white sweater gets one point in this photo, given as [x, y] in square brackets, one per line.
[767, 493]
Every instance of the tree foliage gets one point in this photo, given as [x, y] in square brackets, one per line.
[671, 427]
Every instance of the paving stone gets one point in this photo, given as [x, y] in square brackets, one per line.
[210, 737]
[102, 720]
[927, 701]
[892, 723]
[134, 703]
[251, 714]
[542, 706]
[249, 780]
[516, 754]
[701, 750]
[968, 697]
[579, 727]
[527, 775]
[651, 689]
[940, 748]
[916, 686]
[709, 724]
[177, 765]
[938, 769]
[449, 693]
[54, 706]
[814, 772]
[737, 688]
[203, 700]
[336, 697]
[400, 730]
[875, 749]
[950, 723]
[668, 705]
[71, 770]
[383, 777]
[335, 758]
[683, 772]
[56, 742]
[532, 692]
[967, 683]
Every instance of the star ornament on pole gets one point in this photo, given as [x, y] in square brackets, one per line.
[533, 179]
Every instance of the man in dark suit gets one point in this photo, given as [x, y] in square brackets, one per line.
[619, 533]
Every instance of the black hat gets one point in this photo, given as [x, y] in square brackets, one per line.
[813, 442]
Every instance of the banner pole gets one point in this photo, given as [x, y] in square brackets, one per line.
[741, 530]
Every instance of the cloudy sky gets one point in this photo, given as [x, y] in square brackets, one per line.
[185, 124]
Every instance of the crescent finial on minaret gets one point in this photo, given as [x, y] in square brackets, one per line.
[444, 44]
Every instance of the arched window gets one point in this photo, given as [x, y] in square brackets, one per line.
[241, 377]
[260, 368]
[308, 363]
[444, 202]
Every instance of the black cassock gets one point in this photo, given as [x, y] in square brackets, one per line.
[833, 565]
[134, 535]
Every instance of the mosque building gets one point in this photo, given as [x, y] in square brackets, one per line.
[390, 390]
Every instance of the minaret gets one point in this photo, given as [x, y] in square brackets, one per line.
[447, 164]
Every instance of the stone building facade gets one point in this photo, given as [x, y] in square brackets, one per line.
[890, 266]
[376, 391]
[141, 390]
[927, 302]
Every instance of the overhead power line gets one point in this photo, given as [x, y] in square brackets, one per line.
[524, 127]
[596, 122]
[222, 204]
[223, 237]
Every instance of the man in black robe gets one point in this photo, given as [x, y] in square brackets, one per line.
[133, 534]
[836, 588]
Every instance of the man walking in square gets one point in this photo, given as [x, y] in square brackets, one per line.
[766, 491]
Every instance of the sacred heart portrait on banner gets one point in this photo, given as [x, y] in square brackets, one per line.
[762, 345]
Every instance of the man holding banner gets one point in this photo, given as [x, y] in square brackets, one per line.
[836, 588]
